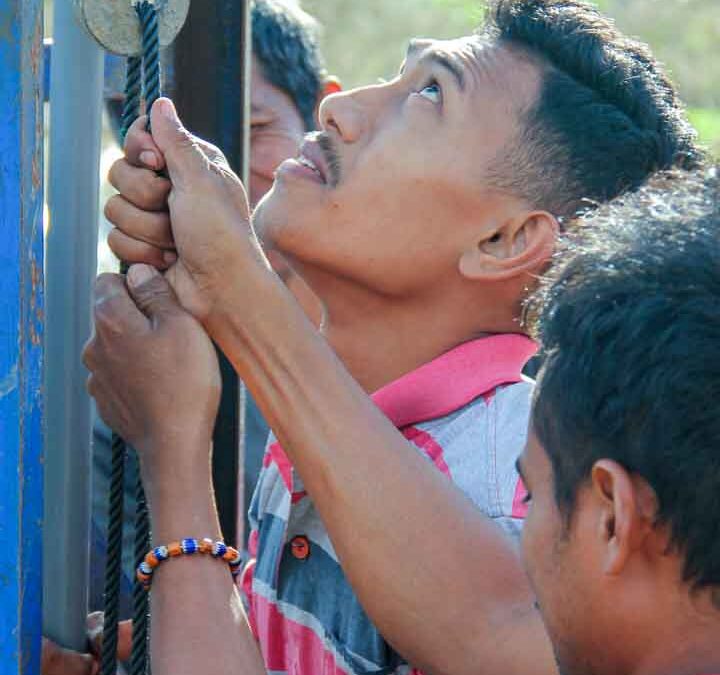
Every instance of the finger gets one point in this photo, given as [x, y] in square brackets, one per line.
[114, 311]
[140, 147]
[58, 661]
[89, 354]
[124, 648]
[135, 251]
[94, 627]
[152, 227]
[153, 294]
[142, 187]
[186, 162]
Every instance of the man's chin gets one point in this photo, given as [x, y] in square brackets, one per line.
[267, 211]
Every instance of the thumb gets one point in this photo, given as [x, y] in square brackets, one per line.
[152, 293]
[184, 158]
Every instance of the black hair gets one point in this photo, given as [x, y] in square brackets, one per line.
[285, 42]
[606, 118]
[629, 323]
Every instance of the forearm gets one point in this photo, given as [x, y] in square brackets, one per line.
[454, 588]
[198, 623]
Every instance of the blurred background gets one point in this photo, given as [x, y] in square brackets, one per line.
[364, 40]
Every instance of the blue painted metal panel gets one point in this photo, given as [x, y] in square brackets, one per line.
[21, 334]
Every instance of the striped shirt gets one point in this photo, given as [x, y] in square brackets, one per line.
[467, 413]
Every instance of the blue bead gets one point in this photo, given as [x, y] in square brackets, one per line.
[189, 546]
[161, 552]
[220, 549]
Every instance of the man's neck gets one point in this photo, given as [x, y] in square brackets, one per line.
[379, 339]
[684, 644]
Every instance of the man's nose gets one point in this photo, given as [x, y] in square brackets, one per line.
[344, 114]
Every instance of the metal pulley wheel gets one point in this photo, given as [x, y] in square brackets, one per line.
[114, 23]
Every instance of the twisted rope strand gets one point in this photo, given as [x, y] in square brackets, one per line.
[139, 660]
[133, 93]
[113, 565]
[143, 76]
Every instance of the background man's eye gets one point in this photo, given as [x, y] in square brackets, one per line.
[431, 92]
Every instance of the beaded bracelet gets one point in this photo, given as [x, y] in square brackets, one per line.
[217, 549]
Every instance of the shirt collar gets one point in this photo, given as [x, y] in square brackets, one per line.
[455, 378]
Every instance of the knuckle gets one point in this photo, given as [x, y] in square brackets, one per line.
[113, 207]
[115, 172]
[88, 354]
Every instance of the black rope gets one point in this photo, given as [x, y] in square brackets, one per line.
[143, 76]
[141, 616]
[133, 92]
[151, 52]
[113, 565]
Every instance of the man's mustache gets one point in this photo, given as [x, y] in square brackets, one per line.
[332, 158]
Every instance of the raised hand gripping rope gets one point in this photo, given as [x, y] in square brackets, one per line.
[136, 30]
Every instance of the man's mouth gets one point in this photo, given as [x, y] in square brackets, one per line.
[307, 162]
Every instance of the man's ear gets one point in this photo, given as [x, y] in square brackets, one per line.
[519, 245]
[331, 85]
[625, 508]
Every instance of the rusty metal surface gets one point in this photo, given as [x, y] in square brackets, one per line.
[21, 335]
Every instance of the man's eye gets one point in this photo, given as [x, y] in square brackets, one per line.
[431, 92]
[527, 498]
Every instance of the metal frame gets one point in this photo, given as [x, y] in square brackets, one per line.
[73, 194]
[21, 334]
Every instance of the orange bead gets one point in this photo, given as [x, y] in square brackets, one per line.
[230, 554]
[175, 549]
[204, 547]
[151, 559]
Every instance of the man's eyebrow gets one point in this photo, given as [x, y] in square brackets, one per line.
[440, 58]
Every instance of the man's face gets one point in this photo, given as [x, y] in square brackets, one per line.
[276, 132]
[402, 169]
[560, 561]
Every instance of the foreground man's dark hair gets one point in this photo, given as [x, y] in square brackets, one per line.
[630, 331]
[607, 116]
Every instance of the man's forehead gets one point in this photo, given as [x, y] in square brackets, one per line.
[482, 60]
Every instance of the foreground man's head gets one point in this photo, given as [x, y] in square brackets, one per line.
[457, 170]
[622, 537]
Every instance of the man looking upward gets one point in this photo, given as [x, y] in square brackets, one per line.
[420, 216]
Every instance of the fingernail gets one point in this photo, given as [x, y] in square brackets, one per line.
[169, 257]
[149, 159]
[140, 274]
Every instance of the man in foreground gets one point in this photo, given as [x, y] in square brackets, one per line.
[419, 216]
[622, 536]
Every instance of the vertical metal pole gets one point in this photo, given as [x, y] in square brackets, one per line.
[21, 334]
[212, 73]
[75, 131]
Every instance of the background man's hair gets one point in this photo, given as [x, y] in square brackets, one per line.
[630, 331]
[285, 42]
[607, 116]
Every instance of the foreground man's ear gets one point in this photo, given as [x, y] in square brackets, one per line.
[626, 508]
[518, 246]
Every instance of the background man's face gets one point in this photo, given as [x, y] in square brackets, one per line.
[560, 565]
[276, 132]
[411, 157]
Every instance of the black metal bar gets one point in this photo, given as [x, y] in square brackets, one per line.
[212, 73]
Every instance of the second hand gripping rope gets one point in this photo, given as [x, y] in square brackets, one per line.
[143, 81]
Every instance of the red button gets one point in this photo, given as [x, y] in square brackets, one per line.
[300, 547]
